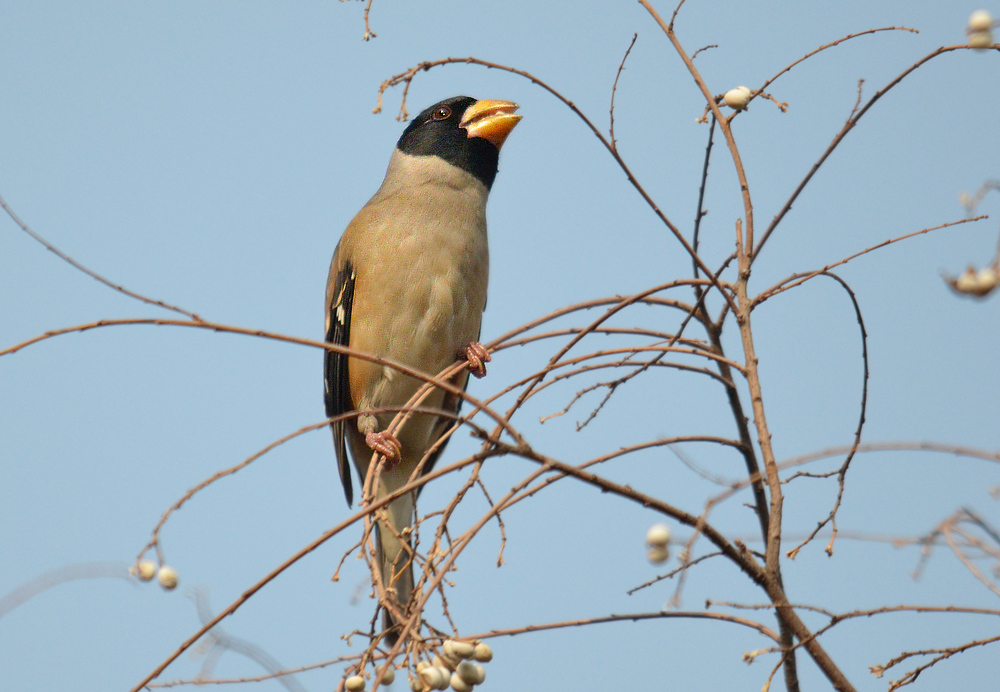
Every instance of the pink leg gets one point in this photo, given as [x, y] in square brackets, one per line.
[477, 356]
[386, 444]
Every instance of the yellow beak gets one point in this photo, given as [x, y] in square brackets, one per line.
[490, 120]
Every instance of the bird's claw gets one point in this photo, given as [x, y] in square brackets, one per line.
[386, 444]
[477, 357]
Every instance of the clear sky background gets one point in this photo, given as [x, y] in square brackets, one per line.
[209, 155]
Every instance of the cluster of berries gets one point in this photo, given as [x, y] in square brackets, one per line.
[657, 539]
[458, 666]
[146, 570]
[980, 29]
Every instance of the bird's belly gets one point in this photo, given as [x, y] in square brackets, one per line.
[438, 296]
[438, 309]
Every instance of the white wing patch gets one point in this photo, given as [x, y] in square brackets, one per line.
[339, 302]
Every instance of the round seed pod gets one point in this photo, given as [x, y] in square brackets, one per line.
[421, 665]
[458, 684]
[146, 570]
[987, 279]
[980, 20]
[445, 677]
[434, 677]
[389, 676]
[472, 673]
[483, 653]
[737, 98]
[457, 649]
[416, 685]
[167, 576]
[467, 672]
[981, 39]
[658, 535]
[449, 661]
[355, 683]
[658, 555]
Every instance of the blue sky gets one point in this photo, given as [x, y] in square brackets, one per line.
[209, 155]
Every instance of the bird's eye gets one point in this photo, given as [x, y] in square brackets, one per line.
[442, 113]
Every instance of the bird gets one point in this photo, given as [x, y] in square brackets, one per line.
[408, 283]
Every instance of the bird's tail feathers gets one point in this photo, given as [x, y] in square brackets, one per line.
[395, 560]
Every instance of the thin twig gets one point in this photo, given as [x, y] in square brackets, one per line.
[831, 518]
[614, 88]
[798, 279]
[838, 138]
[89, 272]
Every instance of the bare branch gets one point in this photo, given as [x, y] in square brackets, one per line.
[89, 272]
[614, 88]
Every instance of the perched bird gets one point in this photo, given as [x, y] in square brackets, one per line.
[408, 283]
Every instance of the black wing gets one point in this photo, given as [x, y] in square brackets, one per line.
[337, 392]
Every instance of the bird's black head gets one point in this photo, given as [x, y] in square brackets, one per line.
[464, 132]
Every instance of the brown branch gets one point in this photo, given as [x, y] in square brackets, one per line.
[723, 121]
[703, 48]
[614, 88]
[672, 573]
[893, 447]
[89, 272]
[155, 540]
[632, 617]
[911, 676]
[799, 279]
[369, 34]
[831, 45]
[646, 297]
[700, 213]
[831, 518]
[737, 554]
[441, 381]
[360, 515]
[838, 138]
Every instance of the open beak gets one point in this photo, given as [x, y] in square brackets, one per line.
[490, 120]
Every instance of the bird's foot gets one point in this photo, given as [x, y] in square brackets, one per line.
[386, 444]
[477, 357]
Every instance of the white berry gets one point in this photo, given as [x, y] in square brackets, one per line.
[167, 576]
[472, 673]
[658, 555]
[146, 570]
[355, 683]
[966, 282]
[658, 535]
[981, 39]
[435, 677]
[483, 653]
[429, 676]
[389, 676]
[980, 20]
[456, 649]
[445, 677]
[467, 672]
[737, 98]
[458, 684]
[987, 278]
[416, 685]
